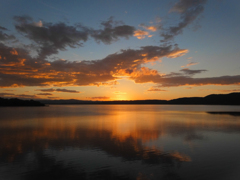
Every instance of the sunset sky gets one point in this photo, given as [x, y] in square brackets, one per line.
[119, 50]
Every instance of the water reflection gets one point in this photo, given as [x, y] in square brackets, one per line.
[127, 142]
[17, 141]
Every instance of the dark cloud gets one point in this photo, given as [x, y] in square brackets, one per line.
[4, 36]
[112, 31]
[189, 10]
[184, 72]
[46, 90]
[67, 90]
[173, 74]
[52, 38]
[57, 90]
[26, 96]
[192, 72]
[3, 28]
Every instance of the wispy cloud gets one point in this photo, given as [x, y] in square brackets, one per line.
[222, 90]
[164, 81]
[46, 90]
[44, 94]
[190, 64]
[156, 89]
[67, 90]
[150, 28]
[4, 36]
[192, 72]
[188, 10]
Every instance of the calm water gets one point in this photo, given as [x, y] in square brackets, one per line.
[119, 142]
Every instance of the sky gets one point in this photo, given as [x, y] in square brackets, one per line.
[119, 50]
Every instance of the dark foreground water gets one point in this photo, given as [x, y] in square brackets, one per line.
[120, 142]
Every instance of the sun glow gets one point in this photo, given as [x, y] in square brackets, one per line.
[121, 98]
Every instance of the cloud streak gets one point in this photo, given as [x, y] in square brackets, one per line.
[192, 72]
[4, 36]
[57, 90]
[165, 81]
[44, 94]
[156, 89]
[189, 10]
[190, 64]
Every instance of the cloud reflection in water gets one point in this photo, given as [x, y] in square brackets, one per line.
[126, 135]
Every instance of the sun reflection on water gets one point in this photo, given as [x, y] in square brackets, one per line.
[146, 136]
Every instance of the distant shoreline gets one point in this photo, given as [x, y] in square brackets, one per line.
[14, 102]
[213, 99]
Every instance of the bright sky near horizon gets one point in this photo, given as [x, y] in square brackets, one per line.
[119, 50]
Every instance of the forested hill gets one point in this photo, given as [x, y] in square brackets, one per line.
[213, 99]
[18, 102]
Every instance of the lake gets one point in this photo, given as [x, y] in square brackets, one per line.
[120, 142]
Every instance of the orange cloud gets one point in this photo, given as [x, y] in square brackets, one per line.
[178, 53]
[20, 69]
[190, 64]
[140, 34]
[14, 52]
[150, 28]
